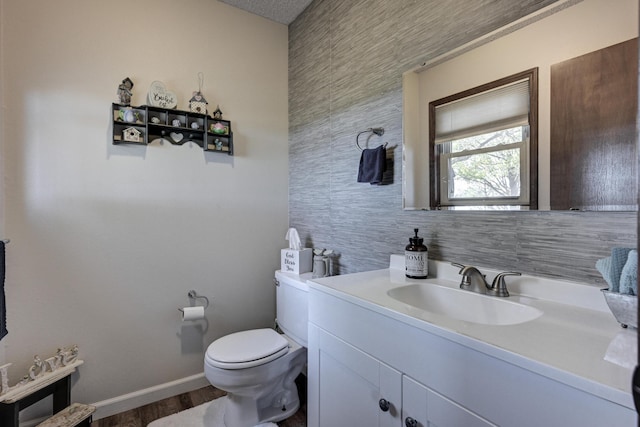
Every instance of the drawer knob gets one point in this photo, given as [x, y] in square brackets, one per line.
[410, 422]
[384, 405]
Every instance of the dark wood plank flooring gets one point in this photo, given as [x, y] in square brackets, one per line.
[140, 417]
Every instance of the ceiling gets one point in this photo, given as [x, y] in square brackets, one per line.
[282, 11]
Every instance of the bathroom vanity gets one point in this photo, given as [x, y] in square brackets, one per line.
[378, 356]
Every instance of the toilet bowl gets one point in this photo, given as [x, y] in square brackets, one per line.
[258, 368]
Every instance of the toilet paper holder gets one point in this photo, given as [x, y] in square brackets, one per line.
[194, 295]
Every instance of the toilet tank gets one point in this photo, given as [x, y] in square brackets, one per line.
[292, 304]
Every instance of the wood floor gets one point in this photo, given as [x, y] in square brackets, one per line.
[143, 415]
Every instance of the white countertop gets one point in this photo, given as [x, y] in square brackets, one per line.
[568, 343]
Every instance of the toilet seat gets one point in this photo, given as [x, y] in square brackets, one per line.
[246, 349]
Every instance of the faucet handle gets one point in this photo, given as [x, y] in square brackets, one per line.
[465, 283]
[460, 266]
[499, 286]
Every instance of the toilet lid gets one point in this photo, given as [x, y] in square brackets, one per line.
[247, 348]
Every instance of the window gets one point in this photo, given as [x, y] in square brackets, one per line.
[484, 145]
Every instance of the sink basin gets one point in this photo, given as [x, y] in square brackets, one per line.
[464, 305]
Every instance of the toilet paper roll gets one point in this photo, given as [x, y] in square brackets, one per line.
[192, 313]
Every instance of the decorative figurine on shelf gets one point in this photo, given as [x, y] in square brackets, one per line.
[197, 103]
[132, 135]
[195, 125]
[176, 123]
[68, 355]
[37, 369]
[217, 114]
[124, 92]
[218, 144]
[219, 128]
[128, 116]
[159, 96]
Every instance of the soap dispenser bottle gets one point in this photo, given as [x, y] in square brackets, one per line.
[415, 258]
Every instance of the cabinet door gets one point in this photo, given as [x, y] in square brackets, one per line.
[351, 388]
[414, 403]
[422, 407]
[594, 100]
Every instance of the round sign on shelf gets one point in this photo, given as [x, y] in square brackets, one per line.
[159, 96]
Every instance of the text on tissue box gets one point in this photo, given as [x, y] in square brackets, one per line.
[296, 261]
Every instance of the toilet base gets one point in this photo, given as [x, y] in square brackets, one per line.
[281, 402]
[241, 411]
[268, 401]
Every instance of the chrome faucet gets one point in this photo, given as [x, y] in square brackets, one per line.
[473, 280]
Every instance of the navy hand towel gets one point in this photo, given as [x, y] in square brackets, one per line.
[373, 163]
[3, 308]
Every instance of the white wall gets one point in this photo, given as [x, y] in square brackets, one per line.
[582, 28]
[106, 241]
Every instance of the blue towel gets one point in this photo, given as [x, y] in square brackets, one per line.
[604, 267]
[629, 275]
[618, 260]
[612, 267]
[373, 163]
[3, 308]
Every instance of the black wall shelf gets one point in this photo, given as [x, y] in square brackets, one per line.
[144, 124]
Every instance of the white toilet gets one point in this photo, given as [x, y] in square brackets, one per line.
[257, 368]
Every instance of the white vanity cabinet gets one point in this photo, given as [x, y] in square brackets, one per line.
[355, 389]
[360, 353]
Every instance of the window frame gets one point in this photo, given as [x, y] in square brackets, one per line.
[521, 200]
[438, 200]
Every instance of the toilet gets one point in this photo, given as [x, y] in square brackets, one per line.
[257, 368]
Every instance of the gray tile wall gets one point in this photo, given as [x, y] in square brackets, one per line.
[346, 59]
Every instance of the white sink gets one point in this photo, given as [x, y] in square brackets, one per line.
[464, 305]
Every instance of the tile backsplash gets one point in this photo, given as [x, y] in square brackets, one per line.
[346, 61]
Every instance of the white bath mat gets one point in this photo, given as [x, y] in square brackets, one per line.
[210, 414]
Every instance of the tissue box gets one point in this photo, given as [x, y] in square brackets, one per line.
[296, 261]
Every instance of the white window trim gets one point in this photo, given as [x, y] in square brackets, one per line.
[522, 200]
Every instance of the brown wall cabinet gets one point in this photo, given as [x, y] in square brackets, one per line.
[593, 130]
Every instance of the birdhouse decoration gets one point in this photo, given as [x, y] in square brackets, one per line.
[132, 134]
[124, 91]
[197, 103]
[217, 114]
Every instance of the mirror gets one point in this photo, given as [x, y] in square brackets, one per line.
[553, 35]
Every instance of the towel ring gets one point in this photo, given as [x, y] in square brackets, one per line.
[377, 131]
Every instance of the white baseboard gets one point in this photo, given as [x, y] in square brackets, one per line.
[115, 405]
